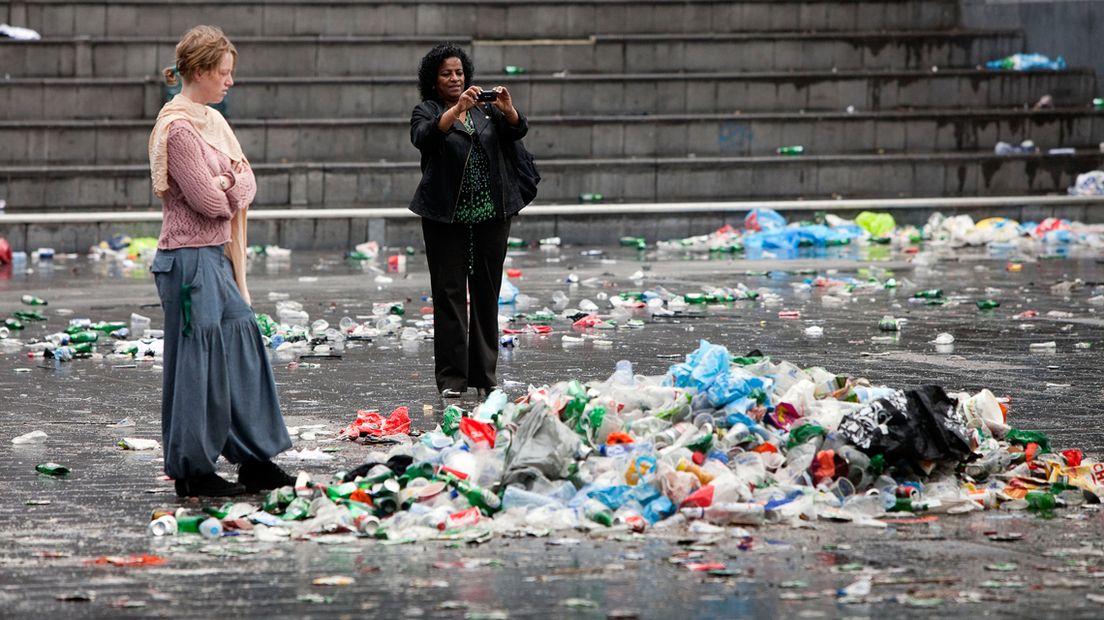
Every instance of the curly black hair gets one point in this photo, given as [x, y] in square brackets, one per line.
[431, 63]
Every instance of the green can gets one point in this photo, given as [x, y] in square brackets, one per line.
[889, 324]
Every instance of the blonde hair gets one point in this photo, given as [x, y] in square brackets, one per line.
[200, 49]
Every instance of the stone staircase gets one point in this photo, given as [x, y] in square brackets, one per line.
[644, 101]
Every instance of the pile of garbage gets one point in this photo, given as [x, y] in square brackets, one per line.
[1030, 237]
[1026, 62]
[719, 440]
[293, 333]
[765, 229]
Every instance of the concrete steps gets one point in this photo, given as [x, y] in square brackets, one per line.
[329, 185]
[476, 18]
[578, 137]
[627, 94]
[640, 100]
[375, 55]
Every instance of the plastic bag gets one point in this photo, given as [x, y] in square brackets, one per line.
[508, 293]
[877, 224]
[764, 219]
[918, 425]
[372, 423]
[542, 446]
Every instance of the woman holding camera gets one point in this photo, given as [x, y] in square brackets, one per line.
[218, 395]
[466, 197]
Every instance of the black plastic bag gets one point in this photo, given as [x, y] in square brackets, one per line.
[909, 427]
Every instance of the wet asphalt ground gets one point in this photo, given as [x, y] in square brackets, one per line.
[945, 566]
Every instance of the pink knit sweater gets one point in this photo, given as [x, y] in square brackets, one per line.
[196, 211]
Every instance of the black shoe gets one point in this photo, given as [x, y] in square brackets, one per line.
[451, 393]
[208, 485]
[263, 476]
[487, 391]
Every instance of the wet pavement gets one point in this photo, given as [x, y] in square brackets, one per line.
[930, 566]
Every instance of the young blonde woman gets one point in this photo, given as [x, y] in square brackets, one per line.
[218, 393]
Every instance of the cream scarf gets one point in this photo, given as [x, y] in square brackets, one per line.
[215, 131]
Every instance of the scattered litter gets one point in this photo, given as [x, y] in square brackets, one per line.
[31, 437]
[134, 443]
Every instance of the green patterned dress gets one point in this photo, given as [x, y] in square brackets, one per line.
[476, 204]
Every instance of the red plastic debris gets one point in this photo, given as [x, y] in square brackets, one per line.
[372, 423]
[479, 432]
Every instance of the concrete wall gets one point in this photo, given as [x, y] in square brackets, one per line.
[1073, 29]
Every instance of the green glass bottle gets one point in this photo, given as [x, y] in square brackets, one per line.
[598, 512]
[189, 524]
[297, 509]
[84, 337]
[634, 242]
[341, 491]
[591, 197]
[107, 326]
[29, 315]
[933, 293]
[483, 499]
[1040, 500]
[219, 512]
[987, 304]
[31, 300]
[418, 470]
[791, 151]
[514, 70]
[52, 469]
[385, 496]
[13, 323]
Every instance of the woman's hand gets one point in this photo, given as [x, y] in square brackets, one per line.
[505, 104]
[467, 100]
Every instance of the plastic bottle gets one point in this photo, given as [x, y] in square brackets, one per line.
[481, 498]
[995, 462]
[623, 374]
[491, 407]
[210, 528]
[165, 525]
[515, 496]
[598, 512]
[730, 513]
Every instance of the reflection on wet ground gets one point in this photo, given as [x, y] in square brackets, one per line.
[102, 507]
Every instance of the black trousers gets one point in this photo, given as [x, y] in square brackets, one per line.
[465, 341]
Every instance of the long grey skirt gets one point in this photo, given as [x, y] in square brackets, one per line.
[218, 393]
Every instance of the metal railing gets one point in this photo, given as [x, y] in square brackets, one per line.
[869, 204]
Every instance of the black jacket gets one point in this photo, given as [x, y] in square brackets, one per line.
[444, 155]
